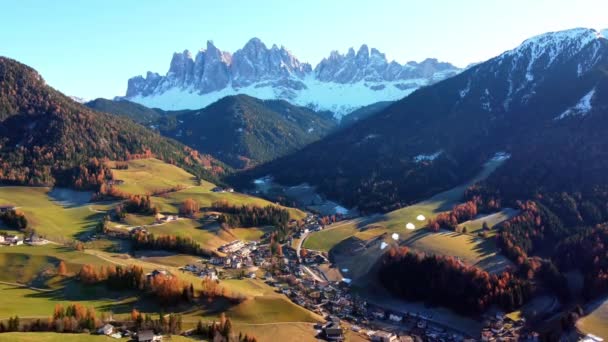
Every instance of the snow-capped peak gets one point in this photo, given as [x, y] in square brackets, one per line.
[339, 83]
[546, 47]
[604, 33]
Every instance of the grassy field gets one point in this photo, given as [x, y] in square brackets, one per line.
[62, 215]
[54, 337]
[595, 321]
[52, 216]
[303, 332]
[270, 309]
[28, 303]
[209, 235]
[395, 221]
[145, 176]
[205, 198]
[24, 264]
[470, 249]
[474, 226]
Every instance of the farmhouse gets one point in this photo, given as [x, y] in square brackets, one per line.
[156, 273]
[334, 334]
[107, 329]
[160, 218]
[13, 240]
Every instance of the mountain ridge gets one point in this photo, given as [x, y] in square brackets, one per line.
[239, 130]
[339, 83]
[47, 138]
[382, 163]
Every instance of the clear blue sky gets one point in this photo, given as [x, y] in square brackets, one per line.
[90, 48]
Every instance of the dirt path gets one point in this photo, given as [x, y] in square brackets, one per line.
[25, 286]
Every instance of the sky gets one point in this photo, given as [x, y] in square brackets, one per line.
[91, 48]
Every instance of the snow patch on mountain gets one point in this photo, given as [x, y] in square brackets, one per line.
[339, 83]
[540, 52]
[427, 157]
[338, 98]
[582, 108]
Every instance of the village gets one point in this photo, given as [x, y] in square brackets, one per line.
[299, 276]
[301, 280]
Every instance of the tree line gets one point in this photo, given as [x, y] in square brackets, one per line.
[251, 216]
[186, 245]
[221, 331]
[166, 288]
[445, 280]
[14, 219]
[73, 318]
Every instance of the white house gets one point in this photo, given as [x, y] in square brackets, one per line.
[395, 318]
[107, 329]
[13, 240]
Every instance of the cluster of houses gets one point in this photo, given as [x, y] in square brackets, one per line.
[202, 271]
[120, 332]
[241, 255]
[499, 327]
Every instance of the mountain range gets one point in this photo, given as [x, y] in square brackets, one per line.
[46, 138]
[339, 83]
[542, 105]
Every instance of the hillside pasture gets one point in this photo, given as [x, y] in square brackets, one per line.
[48, 216]
[145, 176]
[394, 221]
[476, 225]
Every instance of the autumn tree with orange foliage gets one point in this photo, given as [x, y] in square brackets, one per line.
[166, 288]
[62, 269]
[445, 280]
[189, 207]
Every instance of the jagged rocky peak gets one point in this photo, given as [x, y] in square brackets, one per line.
[182, 66]
[371, 65]
[255, 62]
[339, 83]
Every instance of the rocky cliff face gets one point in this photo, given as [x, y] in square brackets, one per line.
[339, 83]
